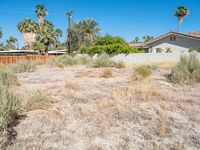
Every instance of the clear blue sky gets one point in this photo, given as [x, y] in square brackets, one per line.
[126, 18]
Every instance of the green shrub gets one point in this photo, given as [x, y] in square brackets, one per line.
[9, 108]
[109, 45]
[141, 72]
[7, 78]
[187, 70]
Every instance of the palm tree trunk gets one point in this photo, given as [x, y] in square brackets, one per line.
[179, 23]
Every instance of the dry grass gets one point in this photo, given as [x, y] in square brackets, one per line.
[83, 73]
[163, 130]
[141, 72]
[37, 100]
[106, 73]
[72, 85]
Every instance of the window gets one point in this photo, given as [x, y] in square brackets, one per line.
[172, 38]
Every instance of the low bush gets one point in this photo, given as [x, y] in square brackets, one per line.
[187, 70]
[104, 61]
[141, 72]
[36, 100]
[23, 66]
[9, 108]
[7, 78]
[70, 60]
[106, 73]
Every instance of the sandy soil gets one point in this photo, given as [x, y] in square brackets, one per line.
[94, 113]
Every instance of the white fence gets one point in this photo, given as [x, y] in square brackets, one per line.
[149, 57]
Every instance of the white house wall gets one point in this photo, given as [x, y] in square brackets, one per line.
[182, 44]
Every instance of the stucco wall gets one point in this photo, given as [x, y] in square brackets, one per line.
[181, 44]
[150, 57]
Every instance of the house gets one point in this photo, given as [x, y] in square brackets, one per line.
[173, 42]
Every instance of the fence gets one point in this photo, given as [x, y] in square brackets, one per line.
[14, 59]
[150, 57]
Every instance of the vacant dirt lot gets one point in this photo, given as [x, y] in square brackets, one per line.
[94, 113]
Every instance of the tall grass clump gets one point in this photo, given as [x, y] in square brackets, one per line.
[106, 73]
[141, 72]
[104, 61]
[36, 100]
[23, 66]
[7, 78]
[187, 70]
[9, 108]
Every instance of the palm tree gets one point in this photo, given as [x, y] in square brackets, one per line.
[28, 28]
[1, 33]
[91, 29]
[48, 36]
[181, 12]
[11, 42]
[69, 14]
[41, 12]
[57, 34]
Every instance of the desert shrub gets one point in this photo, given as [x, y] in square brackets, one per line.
[109, 45]
[141, 72]
[106, 73]
[36, 100]
[7, 78]
[104, 61]
[23, 66]
[70, 60]
[9, 108]
[187, 70]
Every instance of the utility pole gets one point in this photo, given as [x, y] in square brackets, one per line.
[69, 14]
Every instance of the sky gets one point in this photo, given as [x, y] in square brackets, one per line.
[125, 18]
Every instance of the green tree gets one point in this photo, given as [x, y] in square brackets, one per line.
[147, 38]
[181, 12]
[28, 28]
[41, 12]
[137, 39]
[11, 43]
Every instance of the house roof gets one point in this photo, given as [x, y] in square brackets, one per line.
[173, 33]
[136, 44]
[195, 33]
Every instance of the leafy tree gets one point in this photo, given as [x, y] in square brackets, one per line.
[11, 42]
[41, 12]
[28, 28]
[181, 12]
[137, 39]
